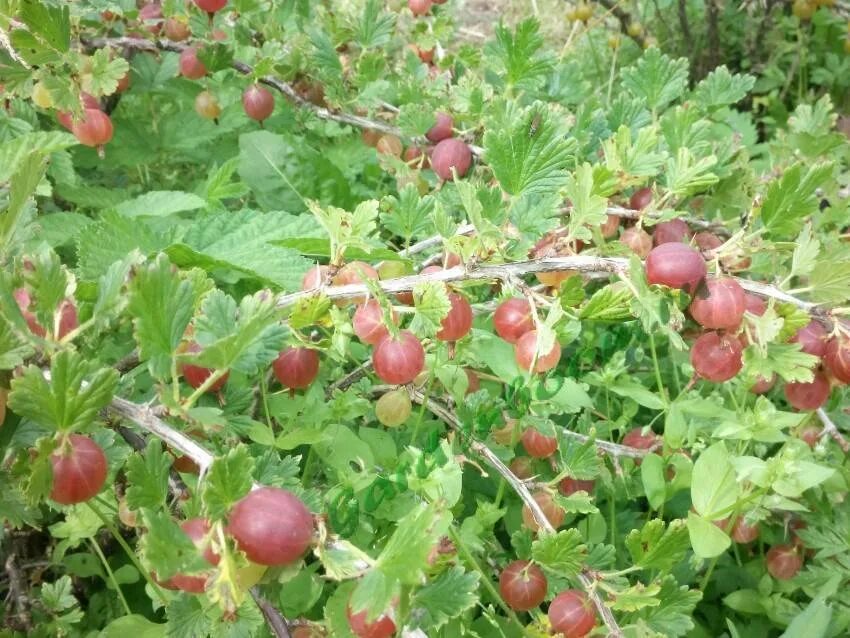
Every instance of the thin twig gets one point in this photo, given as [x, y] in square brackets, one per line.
[276, 622]
[350, 379]
[829, 428]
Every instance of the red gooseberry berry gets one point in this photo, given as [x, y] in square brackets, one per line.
[676, 265]
[458, 322]
[196, 375]
[368, 322]
[206, 105]
[707, 241]
[742, 532]
[399, 360]
[610, 226]
[211, 6]
[525, 350]
[537, 444]
[442, 129]
[810, 434]
[783, 562]
[513, 319]
[426, 55]
[414, 156]
[641, 198]
[571, 614]
[719, 304]
[451, 154]
[762, 385]
[190, 66]
[296, 368]
[837, 358]
[755, 305]
[551, 510]
[808, 396]
[419, 7]
[812, 338]
[522, 467]
[150, 15]
[636, 438]
[675, 230]
[522, 585]
[272, 526]
[198, 530]
[314, 277]
[79, 470]
[569, 485]
[717, 357]
[637, 240]
[473, 383]
[389, 145]
[353, 273]
[381, 627]
[258, 102]
[94, 128]
[177, 30]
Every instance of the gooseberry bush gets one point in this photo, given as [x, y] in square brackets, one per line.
[324, 321]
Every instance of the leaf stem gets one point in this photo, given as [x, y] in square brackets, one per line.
[203, 388]
[655, 365]
[111, 575]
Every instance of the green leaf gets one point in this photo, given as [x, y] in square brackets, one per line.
[111, 238]
[186, 618]
[578, 460]
[51, 25]
[656, 78]
[673, 617]
[686, 175]
[406, 553]
[147, 477]
[102, 71]
[342, 560]
[611, 303]
[517, 56]
[347, 229]
[563, 552]
[134, 625]
[588, 207]
[530, 164]
[714, 488]
[653, 473]
[785, 359]
[432, 305]
[813, 622]
[14, 152]
[791, 198]
[162, 305]
[72, 398]
[631, 388]
[160, 204]
[658, 546]
[228, 480]
[638, 596]
[415, 119]
[633, 161]
[830, 281]
[24, 183]
[168, 550]
[375, 26]
[707, 539]
[806, 250]
[446, 597]
[408, 216]
[721, 88]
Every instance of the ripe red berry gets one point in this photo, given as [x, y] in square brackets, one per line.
[419, 7]
[637, 439]
[538, 445]
[79, 470]
[762, 385]
[442, 129]
[610, 226]
[398, 361]
[352, 273]
[296, 368]
[522, 585]
[196, 375]
[525, 349]
[368, 322]
[716, 357]
[837, 358]
[569, 486]
[513, 319]
[94, 128]
[675, 230]
[783, 562]
[150, 15]
[638, 241]
[272, 526]
[473, 383]
[177, 30]
[742, 532]
[675, 265]
[707, 241]
[414, 156]
[755, 305]
[211, 6]
[810, 434]
[198, 530]
[571, 614]
[812, 338]
[67, 315]
[551, 510]
[426, 55]
[314, 277]
[458, 322]
[190, 66]
[258, 102]
[641, 198]
[719, 305]
[808, 396]
[381, 627]
[451, 154]
[522, 466]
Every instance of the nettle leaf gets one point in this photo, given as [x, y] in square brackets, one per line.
[530, 162]
[102, 71]
[446, 597]
[147, 477]
[721, 88]
[791, 198]
[633, 161]
[220, 184]
[168, 550]
[518, 55]
[657, 78]
[162, 305]
[159, 204]
[714, 488]
[673, 617]
[830, 281]
[245, 338]
[228, 480]
[432, 305]
[785, 359]
[111, 238]
[659, 546]
[70, 400]
[408, 216]
[588, 208]
[406, 553]
[563, 552]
